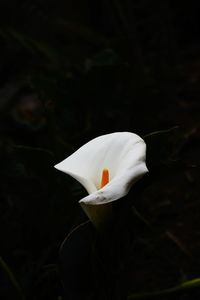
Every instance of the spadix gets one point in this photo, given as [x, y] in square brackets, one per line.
[104, 177]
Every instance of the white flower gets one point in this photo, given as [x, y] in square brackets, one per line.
[107, 167]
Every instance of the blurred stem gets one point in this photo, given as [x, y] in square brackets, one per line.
[122, 19]
[190, 284]
[160, 132]
[12, 279]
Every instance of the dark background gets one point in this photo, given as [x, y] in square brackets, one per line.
[73, 70]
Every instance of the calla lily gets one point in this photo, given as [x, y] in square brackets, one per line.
[107, 167]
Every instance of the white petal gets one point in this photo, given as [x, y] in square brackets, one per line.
[107, 151]
[123, 154]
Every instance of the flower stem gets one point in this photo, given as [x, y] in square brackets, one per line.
[190, 284]
[12, 279]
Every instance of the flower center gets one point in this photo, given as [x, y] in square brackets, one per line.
[104, 178]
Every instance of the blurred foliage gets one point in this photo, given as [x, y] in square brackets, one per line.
[70, 71]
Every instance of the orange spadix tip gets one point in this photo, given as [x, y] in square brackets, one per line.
[104, 177]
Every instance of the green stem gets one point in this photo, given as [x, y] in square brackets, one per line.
[190, 284]
[12, 279]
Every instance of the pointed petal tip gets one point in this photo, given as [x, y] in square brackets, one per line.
[142, 170]
[56, 166]
[59, 167]
[146, 170]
